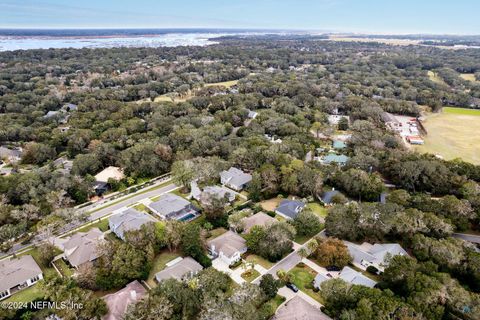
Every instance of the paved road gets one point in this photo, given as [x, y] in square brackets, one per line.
[467, 237]
[97, 214]
[103, 212]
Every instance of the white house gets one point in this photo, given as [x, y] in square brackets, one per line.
[235, 178]
[376, 255]
[17, 274]
[228, 247]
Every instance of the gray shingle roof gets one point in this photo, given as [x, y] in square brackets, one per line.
[319, 279]
[299, 309]
[290, 208]
[185, 267]
[229, 243]
[354, 277]
[16, 271]
[170, 204]
[82, 247]
[235, 177]
[258, 219]
[128, 220]
[119, 301]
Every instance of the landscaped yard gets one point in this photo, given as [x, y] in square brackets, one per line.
[451, 134]
[140, 207]
[250, 275]
[64, 269]
[102, 225]
[271, 204]
[216, 232]
[159, 264]
[27, 295]
[469, 77]
[259, 260]
[318, 209]
[302, 277]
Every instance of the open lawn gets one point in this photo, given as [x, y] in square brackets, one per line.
[270, 204]
[451, 134]
[102, 225]
[216, 232]
[64, 269]
[318, 209]
[26, 295]
[159, 264]
[259, 260]
[302, 277]
[250, 275]
[469, 77]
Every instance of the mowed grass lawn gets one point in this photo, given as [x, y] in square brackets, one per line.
[259, 260]
[469, 77]
[302, 277]
[250, 275]
[452, 134]
[159, 264]
[318, 209]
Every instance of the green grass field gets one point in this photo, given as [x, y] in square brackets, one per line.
[469, 77]
[451, 134]
[303, 277]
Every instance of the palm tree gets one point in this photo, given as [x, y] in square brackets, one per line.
[303, 253]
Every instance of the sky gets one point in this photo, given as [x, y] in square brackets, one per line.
[360, 16]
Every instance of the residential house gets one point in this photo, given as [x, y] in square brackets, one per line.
[319, 279]
[235, 178]
[216, 191]
[259, 219]
[376, 255]
[101, 178]
[299, 309]
[82, 247]
[289, 209]
[354, 277]
[17, 274]
[170, 206]
[63, 165]
[128, 220]
[228, 247]
[328, 196]
[183, 268]
[119, 301]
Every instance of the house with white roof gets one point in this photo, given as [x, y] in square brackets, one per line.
[228, 247]
[17, 274]
[376, 255]
[128, 220]
[235, 178]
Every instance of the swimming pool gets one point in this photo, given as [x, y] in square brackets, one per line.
[187, 217]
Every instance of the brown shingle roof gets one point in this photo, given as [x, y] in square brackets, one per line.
[259, 219]
[299, 309]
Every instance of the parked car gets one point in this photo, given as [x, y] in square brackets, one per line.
[292, 287]
[332, 268]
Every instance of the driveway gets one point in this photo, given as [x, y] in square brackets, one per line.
[222, 266]
[467, 237]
